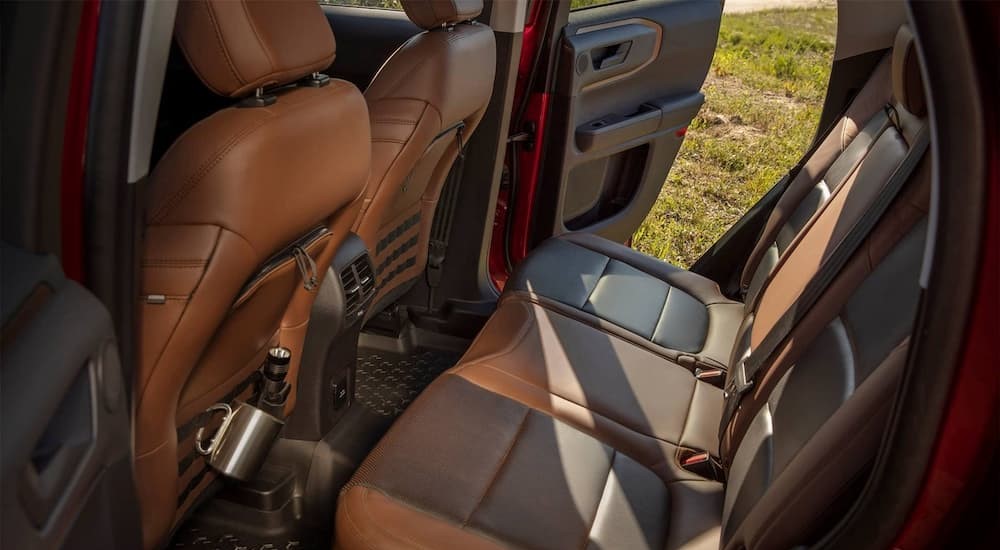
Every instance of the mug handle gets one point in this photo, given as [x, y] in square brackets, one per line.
[218, 407]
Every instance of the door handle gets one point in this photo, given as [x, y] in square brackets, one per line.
[609, 56]
[42, 485]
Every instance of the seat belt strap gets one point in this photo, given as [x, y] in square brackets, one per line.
[876, 125]
[746, 373]
[444, 215]
[857, 150]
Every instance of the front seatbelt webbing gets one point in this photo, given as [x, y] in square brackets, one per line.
[745, 373]
[443, 218]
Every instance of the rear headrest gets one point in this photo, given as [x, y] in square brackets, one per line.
[430, 14]
[236, 46]
[907, 84]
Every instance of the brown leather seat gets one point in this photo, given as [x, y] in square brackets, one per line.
[553, 432]
[424, 103]
[244, 214]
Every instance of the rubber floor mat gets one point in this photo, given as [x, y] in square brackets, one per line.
[207, 538]
[387, 383]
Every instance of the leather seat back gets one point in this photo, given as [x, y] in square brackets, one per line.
[424, 103]
[244, 213]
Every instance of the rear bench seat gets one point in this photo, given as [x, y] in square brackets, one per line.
[682, 315]
[557, 433]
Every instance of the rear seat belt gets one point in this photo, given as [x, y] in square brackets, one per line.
[866, 139]
[745, 373]
[443, 217]
[793, 173]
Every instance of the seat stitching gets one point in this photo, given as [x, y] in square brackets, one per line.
[172, 264]
[560, 396]
[676, 269]
[173, 331]
[394, 121]
[663, 308]
[395, 158]
[195, 178]
[354, 525]
[590, 320]
[399, 537]
[607, 483]
[604, 270]
[420, 509]
[222, 43]
[499, 466]
[260, 42]
[687, 413]
[506, 350]
[228, 381]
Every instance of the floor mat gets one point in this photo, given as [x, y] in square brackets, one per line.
[387, 383]
[207, 538]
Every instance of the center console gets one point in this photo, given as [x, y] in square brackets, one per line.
[326, 377]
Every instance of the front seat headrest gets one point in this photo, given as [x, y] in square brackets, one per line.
[237, 46]
[907, 83]
[430, 14]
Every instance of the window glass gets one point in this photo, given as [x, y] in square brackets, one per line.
[381, 4]
[581, 4]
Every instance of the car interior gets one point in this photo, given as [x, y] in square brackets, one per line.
[381, 293]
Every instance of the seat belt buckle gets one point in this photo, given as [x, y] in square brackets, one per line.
[738, 383]
[713, 376]
[701, 463]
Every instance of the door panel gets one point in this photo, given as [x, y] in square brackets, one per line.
[65, 414]
[628, 83]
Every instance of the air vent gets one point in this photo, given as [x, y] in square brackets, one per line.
[358, 281]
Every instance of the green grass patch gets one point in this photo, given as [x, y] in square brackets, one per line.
[763, 98]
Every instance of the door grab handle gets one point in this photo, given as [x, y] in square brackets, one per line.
[609, 56]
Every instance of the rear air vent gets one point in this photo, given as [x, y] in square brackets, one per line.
[358, 281]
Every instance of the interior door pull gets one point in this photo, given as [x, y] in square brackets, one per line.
[610, 56]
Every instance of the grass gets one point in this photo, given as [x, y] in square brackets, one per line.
[763, 94]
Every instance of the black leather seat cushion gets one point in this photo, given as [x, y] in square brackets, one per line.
[679, 314]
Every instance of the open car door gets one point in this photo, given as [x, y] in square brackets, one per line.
[67, 470]
[65, 402]
[625, 81]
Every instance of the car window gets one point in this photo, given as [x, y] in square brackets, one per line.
[582, 4]
[380, 4]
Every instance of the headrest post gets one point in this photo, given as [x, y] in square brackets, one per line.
[258, 99]
[316, 80]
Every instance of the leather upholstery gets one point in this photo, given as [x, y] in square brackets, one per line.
[474, 466]
[907, 83]
[229, 196]
[678, 314]
[556, 431]
[821, 175]
[424, 102]
[237, 46]
[578, 373]
[429, 14]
